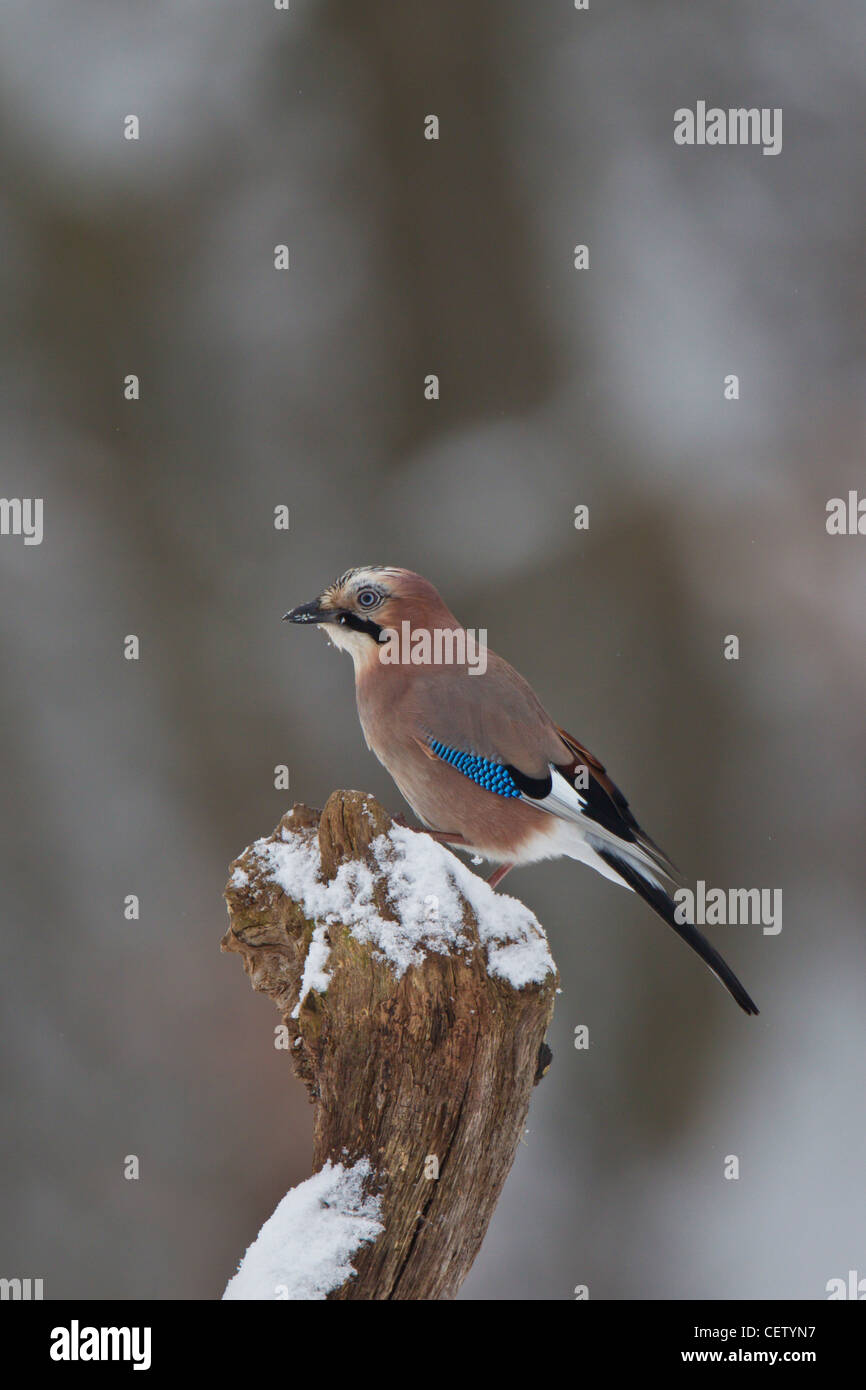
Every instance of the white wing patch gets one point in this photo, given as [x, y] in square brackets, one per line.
[565, 803]
[562, 800]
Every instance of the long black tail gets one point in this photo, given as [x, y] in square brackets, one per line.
[665, 906]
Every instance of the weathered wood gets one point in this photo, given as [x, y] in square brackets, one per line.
[435, 1067]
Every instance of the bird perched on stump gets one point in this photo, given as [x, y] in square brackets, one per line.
[475, 753]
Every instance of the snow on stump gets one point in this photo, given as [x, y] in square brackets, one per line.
[415, 1002]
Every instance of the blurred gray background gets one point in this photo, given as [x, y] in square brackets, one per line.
[305, 388]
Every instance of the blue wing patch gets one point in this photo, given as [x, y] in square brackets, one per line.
[494, 777]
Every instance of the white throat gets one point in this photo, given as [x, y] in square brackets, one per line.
[361, 648]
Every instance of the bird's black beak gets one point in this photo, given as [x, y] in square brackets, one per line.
[309, 613]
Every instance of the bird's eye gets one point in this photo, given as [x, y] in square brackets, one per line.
[367, 598]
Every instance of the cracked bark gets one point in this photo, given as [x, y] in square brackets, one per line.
[434, 1068]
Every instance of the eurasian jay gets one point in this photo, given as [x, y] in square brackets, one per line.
[475, 754]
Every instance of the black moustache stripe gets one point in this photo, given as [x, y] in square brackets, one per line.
[362, 625]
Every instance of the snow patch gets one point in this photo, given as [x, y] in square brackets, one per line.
[425, 884]
[305, 1249]
[315, 975]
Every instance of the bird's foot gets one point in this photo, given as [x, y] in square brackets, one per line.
[442, 837]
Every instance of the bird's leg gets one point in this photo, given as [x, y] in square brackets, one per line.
[498, 874]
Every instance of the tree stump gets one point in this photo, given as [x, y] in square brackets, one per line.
[416, 1002]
